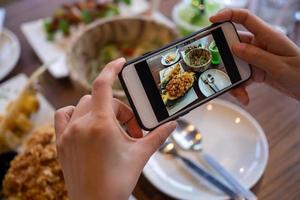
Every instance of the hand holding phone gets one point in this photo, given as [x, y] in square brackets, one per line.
[273, 56]
[169, 82]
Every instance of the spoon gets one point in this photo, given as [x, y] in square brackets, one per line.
[187, 137]
[169, 148]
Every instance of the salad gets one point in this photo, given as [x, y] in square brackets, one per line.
[73, 14]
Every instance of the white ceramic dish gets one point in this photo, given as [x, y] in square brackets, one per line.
[9, 52]
[231, 135]
[163, 61]
[221, 81]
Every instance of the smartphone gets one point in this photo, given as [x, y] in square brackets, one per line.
[169, 82]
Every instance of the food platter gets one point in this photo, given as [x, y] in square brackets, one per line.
[48, 51]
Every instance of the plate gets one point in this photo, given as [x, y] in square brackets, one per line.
[231, 135]
[163, 61]
[10, 89]
[221, 81]
[9, 52]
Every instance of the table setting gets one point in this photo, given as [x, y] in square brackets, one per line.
[50, 56]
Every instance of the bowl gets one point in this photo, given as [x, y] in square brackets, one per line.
[142, 33]
[199, 53]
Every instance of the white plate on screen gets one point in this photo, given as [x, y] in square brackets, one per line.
[176, 59]
[9, 52]
[221, 81]
[231, 135]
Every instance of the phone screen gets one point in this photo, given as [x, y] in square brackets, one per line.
[187, 73]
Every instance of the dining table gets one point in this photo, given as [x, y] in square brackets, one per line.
[277, 113]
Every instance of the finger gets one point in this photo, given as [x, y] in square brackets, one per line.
[240, 94]
[102, 86]
[83, 107]
[125, 116]
[246, 37]
[242, 16]
[257, 57]
[61, 119]
[157, 137]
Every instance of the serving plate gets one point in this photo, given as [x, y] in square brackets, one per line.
[231, 135]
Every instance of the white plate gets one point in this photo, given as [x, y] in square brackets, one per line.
[10, 89]
[230, 135]
[221, 81]
[9, 52]
[163, 61]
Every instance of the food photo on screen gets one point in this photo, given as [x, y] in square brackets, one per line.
[189, 73]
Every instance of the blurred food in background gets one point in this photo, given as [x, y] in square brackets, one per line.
[35, 173]
[16, 123]
[70, 15]
[104, 41]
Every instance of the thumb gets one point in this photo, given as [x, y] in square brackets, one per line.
[256, 56]
[157, 137]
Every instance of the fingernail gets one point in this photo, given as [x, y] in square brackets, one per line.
[122, 59]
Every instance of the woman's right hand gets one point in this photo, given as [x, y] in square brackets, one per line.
[273, 56]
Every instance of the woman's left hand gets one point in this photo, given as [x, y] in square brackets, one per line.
[98, 158]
